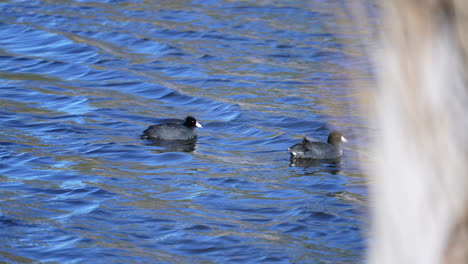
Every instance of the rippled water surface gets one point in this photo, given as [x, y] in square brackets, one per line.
[80, 81]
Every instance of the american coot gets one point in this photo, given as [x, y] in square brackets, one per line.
[319, 150]
[173, 131]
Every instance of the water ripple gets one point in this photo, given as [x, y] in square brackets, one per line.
[82, 80]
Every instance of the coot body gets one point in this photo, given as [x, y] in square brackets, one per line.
[319, 150]
[173, 131]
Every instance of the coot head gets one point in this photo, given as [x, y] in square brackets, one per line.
[191, 122]
[335, 137]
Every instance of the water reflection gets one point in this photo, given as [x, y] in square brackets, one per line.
[332, 166]
[172, 145]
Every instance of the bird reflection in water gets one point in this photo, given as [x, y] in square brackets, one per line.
[173, 145]
[332, 166]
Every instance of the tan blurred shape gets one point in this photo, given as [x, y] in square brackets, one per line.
[420, 109]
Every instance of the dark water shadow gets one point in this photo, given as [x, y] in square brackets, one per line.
[332, 166]
[173, 145]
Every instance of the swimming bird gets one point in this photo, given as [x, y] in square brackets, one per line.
[173, 131]
[319, 150]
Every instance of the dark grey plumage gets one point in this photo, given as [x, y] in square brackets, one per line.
[173, 131]
[319, 150]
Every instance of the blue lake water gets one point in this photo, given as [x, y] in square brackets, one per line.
[80, 81]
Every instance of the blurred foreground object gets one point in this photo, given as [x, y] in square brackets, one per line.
[419, 178]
